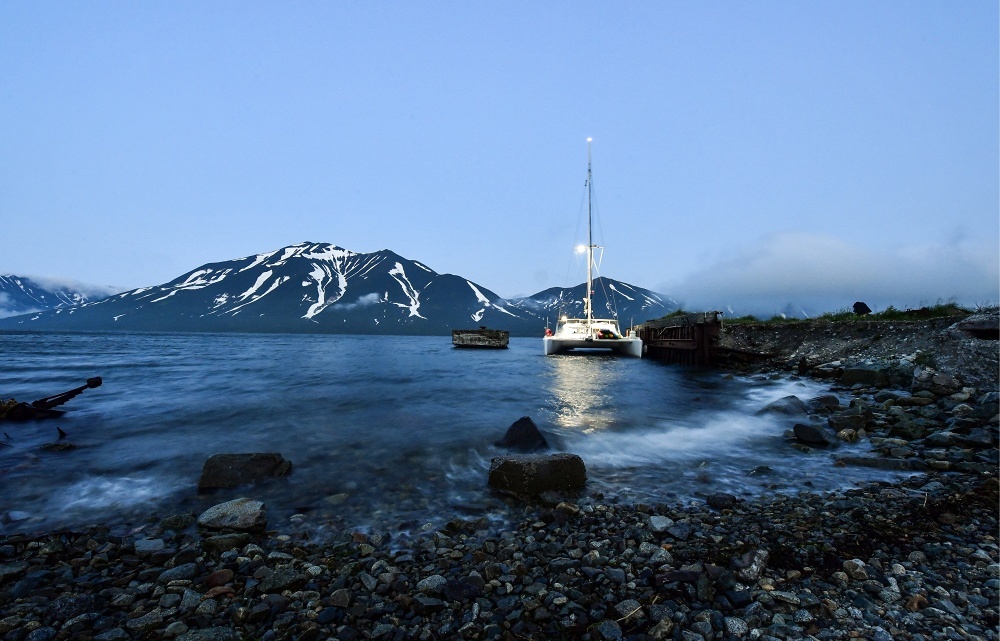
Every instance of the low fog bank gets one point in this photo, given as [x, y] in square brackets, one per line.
[805, 275]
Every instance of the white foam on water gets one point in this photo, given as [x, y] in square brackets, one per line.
[769, 391]
[716, 435]
[100, 494]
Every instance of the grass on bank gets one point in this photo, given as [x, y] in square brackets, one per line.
[940, 310]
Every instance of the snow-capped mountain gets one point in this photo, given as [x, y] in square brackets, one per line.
[322, 288]
[611, 299]
[24, 294]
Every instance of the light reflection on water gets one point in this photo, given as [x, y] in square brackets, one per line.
[382, 431]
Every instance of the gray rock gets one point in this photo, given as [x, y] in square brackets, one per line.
[938, 383]
[283, 578]
[628, 609]
[840, 422]
[788, 405]
[750, 566]
[607, 630]
[340, 598]
[735, 626]
[433, 584]
[223, 542]
[814, 434]
[234, 470]
[662, 630]
[10, 570]
[424, 604]
[680, 530]
[211, 634]
[183, 572]
[239, 514]
[146, 547]
[659, 524]
[721, 501]
[531, 476]
[41, 634]
[145, 623]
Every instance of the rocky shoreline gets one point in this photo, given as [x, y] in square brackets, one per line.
[918, 559]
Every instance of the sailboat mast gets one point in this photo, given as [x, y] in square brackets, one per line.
[590, 238]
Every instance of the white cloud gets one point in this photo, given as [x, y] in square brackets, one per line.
[364, 301]
[93, 292]
[6, 309]
[824, 273]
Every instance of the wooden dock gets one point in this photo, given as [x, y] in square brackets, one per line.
[690, 339]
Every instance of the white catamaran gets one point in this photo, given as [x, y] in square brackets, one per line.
[590, 333]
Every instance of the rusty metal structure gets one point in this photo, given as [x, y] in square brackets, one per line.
[480, 338]
[689, 339]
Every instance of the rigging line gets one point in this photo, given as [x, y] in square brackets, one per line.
[611, 300]
[573, 260]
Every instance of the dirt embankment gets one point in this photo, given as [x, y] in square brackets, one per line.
[965, 347]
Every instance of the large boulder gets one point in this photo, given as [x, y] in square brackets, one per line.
[788, 405]
[937, 383]
[234, 470]
[523, 436]
[814, 434]
[243, 514]
[534, 475]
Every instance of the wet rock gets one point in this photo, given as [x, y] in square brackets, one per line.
[523, 436]
[187, 571]
[814, 434]
[433, 584]
[750, 565]
[11, 570]
[789, 405]
[531, 476]
[234, 470]
[721, 501]
[243, 514]
[864, 376]
[840, 422]
[223, 542]
[848, 435]
[878, 462]
[280, 579]
[937, 383]
[211, 634]
[607, 630]
[827, 402]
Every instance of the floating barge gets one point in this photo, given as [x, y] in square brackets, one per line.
[482, 338]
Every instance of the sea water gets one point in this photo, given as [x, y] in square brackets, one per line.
[387, 433]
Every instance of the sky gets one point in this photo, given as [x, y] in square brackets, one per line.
[745, 155]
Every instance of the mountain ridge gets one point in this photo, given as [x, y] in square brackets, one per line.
[323, 288]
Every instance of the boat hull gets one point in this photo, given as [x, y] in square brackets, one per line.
[628, 346]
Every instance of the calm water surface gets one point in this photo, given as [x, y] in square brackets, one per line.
[391, 433]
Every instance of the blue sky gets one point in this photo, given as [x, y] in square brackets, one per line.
[745, 154]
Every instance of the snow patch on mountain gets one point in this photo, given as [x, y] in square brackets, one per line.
[411, 292]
